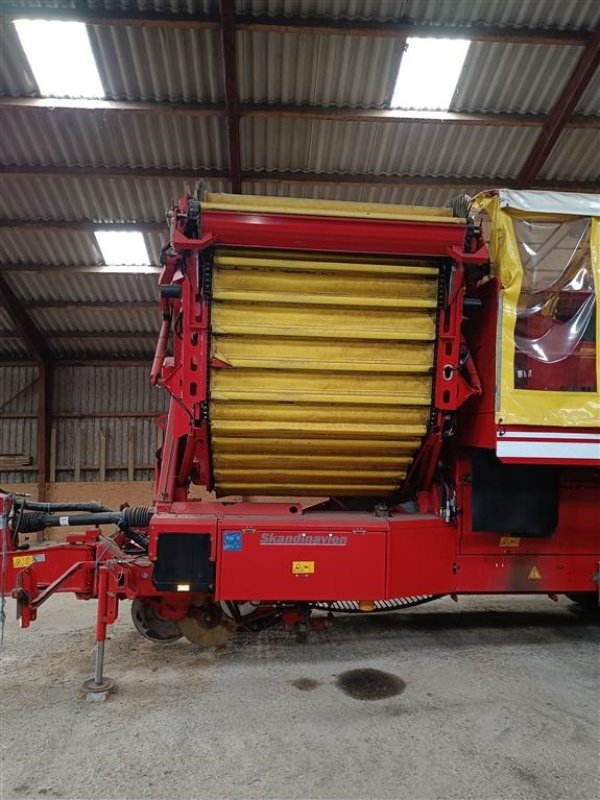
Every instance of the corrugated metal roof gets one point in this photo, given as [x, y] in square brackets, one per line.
[316, 70]
[84, 287]
[153, 63]
[437, 150]
[159, 6]
[61, 246]
[111, 199]
[102, 347]
[581, 13]
[47, 246]
[402, 195]
[101, 320]
[521, 13]
[361, 72]
[576, 156]
[514, 78]
[590, 102]
[93, 138]
[16, 76]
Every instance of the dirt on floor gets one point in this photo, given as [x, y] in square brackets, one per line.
[488, 698]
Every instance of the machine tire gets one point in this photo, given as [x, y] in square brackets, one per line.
[588, 600]
[151, 625]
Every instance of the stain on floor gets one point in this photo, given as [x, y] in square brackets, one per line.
[305, 684]
[370, 684]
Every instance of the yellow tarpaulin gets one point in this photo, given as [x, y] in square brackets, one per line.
[575, 219]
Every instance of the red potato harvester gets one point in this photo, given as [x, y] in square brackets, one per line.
[389, 403]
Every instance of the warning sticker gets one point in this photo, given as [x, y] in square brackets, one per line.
[510, 541]
[22, 561]
[534, 574]
[303, 567]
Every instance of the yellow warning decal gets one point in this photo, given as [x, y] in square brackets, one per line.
[22, 561]
[534, 574]
[303, 567]
[510, 541]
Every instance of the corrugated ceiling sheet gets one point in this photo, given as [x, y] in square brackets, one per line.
[5, 321]
[154, 63]
[317, 70]
[43, 246]
[103, 347]
[166, 6]
[522, 13]
[403, 195]
[16, 77]
[102, 320]
[110, 199]
[93, 138]
[581, 13]
[576, 156]
[84, 287]
[515, 78]
[438, 150]
[590, 102]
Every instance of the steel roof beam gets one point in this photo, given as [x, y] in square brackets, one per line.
[576, 85]
[229, 46]
[291, 111]
[321, 25]
[25, 328]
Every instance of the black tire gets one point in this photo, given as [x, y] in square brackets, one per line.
[586, 599]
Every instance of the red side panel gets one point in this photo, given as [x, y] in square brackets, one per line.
[302, 559]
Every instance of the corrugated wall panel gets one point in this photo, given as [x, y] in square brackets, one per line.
[18, 390]
[88, 434]
[119, 397]
[113, 389]
[18, 435]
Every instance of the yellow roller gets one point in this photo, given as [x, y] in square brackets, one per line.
[322, 374]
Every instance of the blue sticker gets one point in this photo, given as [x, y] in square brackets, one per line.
[232, 540]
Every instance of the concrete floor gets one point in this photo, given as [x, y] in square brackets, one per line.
[502, 700]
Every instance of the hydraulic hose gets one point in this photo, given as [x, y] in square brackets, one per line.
[32, 521]
[49, 508]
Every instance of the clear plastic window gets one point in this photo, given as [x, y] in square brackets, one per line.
[555, 333]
